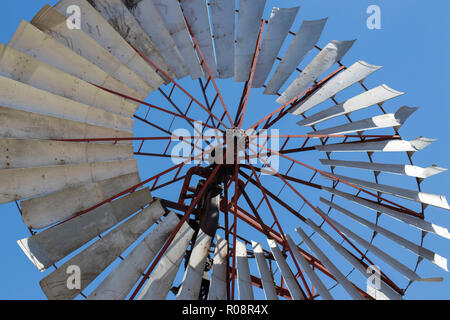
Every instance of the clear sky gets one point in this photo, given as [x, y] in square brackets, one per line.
[413, 47]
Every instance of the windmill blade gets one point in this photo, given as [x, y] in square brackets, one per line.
[339, 276]
[379, 146]
[291, 282]
[411, 246]
[400, 267]
[98, 256]
[53, 23]
[173, 17]
[406, 218]
[121, 280]
[384, 288]
[112, 25]
[45, 103]
[332, 53]
[315, 280]
[197, 16]
[400, 169]
[26, 69]
[51, 245]
[357, 72]
[390, 120]
[218, 284]
[304, 41]
[161, 279]
[422, 197]
[244, 282]
[364, 100]
[249, 23]
[29, 125]
[268, 283]
[15, 153]
[277, 30]
[223, 22]
[192, 280]
[41, 212]
[152, 23]
[17, 184]
[31, 41]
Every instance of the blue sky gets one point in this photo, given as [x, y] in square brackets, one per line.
[413, 47]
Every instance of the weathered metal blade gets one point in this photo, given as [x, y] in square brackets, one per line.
[355, 73]
[29, 125]
[17, 184]
[53, 244]
[97, 257]
[193, 275]
[333, 52]
[400, 267]
[409, 219]
[369, 98]
[266, 276]
[338, 275]
[172, 15]
[304, 41]
[384, 288]
[122, 279]
[249, 23]
[244, 281]
[41, 212]
[26, 69]
[422, 197]
[30, 40]
[291, 282]
[411, 246]
[315, 280]
[223, 20]
[46, 103]
[197, 16]
[151, 21]
[218, 284]
[277, 30]
[162, 277]
[52, 22]
[394, 120]
[113, 27]
[379, 146]
[15, 153]
[401, 169]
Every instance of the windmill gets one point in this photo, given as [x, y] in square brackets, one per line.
[69, 102]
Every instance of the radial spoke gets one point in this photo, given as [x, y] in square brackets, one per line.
[328, 222]
[180, 87]
[252, 74]
[294, 99]
[197, 47]
[408, 211]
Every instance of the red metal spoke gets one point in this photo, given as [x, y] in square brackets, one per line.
[189, 120]
[175, 231]
[134, 188]
[333, 177]
[286, 244]
[252, 74]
